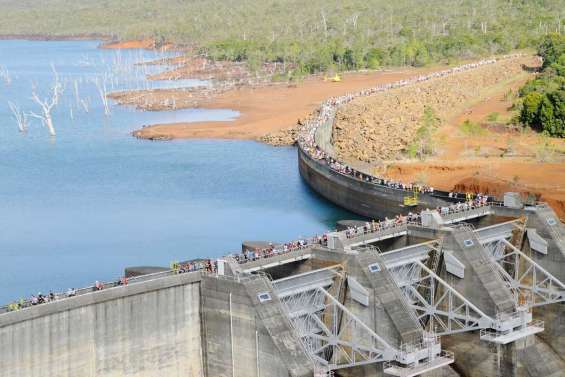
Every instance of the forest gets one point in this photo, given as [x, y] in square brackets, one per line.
[543, 99]
[305, 36]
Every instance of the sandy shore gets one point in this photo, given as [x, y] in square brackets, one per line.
[269, 108]
[147, 44]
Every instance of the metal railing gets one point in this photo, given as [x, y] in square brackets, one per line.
[275, 253]
[492, 334]
[92, 289]
[383, 228]
[399, 370]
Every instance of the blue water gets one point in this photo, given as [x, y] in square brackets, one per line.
[83, 205]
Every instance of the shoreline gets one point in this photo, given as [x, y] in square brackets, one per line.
[265, 109]
[55, 38]
[106, 41]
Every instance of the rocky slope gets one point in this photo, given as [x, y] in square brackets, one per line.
[379, 127]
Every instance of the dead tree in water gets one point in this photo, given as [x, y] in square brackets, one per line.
[19, 116]
[77, 95]
[47, 104]
[5, 75]
[84, 105]
[101, 86]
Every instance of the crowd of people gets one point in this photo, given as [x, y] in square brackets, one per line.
[208, 265]
[415, 218]
[40, 298]
[307, 142]
[480, 200]
[377, 226]
[328, 109]
[347, 170]
[211, 265]
[274, 250]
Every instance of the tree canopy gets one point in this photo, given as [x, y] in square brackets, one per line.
[307, 36]
[543, 99]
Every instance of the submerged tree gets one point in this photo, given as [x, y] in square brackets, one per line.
[5, 75]
[47, 104]
[103, 92]
[19, 116]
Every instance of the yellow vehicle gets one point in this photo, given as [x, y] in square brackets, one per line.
[411, 201]
[336, 78]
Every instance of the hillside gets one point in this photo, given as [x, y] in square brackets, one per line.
[323, 35]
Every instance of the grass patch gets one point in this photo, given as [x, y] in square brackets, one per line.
[493, 117]
[469, 128]
[546, 149]
[423, 144]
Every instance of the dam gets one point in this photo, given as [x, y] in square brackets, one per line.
[453, 286]
[427, 297]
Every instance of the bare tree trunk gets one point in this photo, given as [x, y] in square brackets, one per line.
[103, 92]
[19, 116]
[324, 24]
[5, 75]
[47, 104]
[49, 124]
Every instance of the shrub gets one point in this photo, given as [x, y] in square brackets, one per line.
[493, 117]
[471, 128]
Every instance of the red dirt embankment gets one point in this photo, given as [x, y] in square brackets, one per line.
[263, 109]
[147, 44]
[494, 177]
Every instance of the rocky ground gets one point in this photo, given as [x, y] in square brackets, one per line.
[374, 131]
[287, 136]
[268, 112]
[380, 127]
[167, 99]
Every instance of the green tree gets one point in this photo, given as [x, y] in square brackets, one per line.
[374, 58]
[530, 109]
[543, 105]
[552, 113]
[551, 48]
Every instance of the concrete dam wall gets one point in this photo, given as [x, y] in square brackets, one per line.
[148, 329]
[363, 198]
[181, 325]
[321, 309]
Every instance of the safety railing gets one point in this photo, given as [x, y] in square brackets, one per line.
[489, 334]
[274, 254]
[394, 368]
[381, 228]
[464, 209]
[430, 339]
[58, 296]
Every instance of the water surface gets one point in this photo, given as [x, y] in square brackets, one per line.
[83, 205]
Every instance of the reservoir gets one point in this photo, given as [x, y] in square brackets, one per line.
[81, 206]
